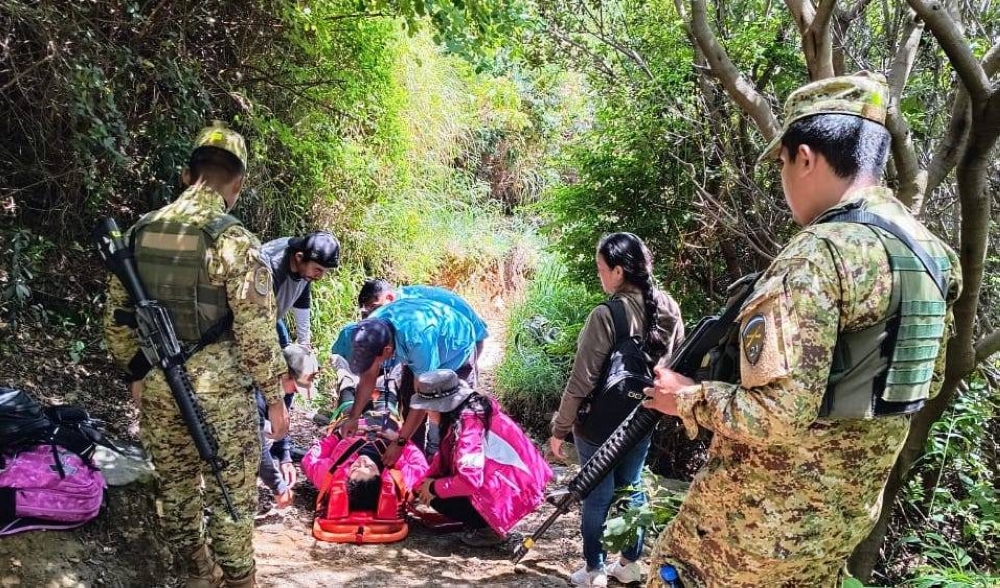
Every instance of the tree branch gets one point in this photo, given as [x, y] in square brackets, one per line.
[987, 346]
[955, 46]
[739, 89]
[599, 61]
[842, 19]
[906, 54]
[802, 12]
[823, 13]
[820, 37]
[26, 71]
[856, 10]
[951, 146]
[991, 61]
[953, 143]
[817, 40]
[912, 180]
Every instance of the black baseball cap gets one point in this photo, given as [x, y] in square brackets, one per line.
[370, 337]
[321, 247]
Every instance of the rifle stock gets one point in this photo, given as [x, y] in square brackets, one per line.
[686, 360]
[161, 347]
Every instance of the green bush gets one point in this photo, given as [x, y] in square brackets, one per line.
[950, 508]
[540, 345]
[662, 503]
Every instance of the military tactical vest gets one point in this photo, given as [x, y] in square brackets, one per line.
[171, 257]
[886, 369]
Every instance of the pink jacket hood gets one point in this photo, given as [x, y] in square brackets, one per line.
[501, 471]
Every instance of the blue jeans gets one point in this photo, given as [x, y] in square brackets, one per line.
[628, 472]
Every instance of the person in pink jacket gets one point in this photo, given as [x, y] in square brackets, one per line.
[487, 473]
[363, 467]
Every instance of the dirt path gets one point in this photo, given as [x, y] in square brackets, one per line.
[288, 555]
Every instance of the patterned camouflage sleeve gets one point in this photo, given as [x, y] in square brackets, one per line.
[121, 339]
[788, 328]
[251, 297]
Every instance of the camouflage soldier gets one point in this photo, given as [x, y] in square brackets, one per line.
[842, 339]
[205, 267]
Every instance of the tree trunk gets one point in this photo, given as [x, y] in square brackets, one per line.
[868, 553]
[971, 175]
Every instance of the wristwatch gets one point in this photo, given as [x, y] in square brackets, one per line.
[401, 441]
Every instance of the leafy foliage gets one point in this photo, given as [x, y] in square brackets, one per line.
[541, 342]
[355, 119]
[951, 518]
[662, 504]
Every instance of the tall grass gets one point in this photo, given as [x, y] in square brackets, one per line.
[540, 345]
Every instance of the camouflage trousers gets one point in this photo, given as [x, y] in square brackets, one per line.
[187, 487]
[702, 563]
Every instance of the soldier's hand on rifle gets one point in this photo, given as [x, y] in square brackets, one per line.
[278, 415]
[556, 446]
[661, 396]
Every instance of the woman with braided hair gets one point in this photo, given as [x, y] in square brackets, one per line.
[624, 266]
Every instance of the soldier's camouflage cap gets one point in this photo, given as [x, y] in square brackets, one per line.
[219, 135]
[863, 94]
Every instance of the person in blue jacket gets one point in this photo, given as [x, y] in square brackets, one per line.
[422, 335]
[376, 293]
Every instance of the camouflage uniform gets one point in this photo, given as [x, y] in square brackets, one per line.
[785, 497]
[221, 374]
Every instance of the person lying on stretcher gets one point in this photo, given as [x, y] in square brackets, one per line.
[358, 458]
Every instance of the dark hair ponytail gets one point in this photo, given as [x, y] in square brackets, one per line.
[627, 251]
[478, 404]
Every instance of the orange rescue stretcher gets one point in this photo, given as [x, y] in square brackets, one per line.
[335, 522]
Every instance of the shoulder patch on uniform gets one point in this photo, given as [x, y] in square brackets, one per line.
[261, 281]
[752, 338]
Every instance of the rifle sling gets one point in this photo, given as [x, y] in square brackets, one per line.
[139, 365]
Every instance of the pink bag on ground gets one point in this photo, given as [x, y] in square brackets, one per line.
[47, 487]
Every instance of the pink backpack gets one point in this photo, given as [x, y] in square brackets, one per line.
[47, 487]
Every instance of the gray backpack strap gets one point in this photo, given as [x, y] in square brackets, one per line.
[866, 218]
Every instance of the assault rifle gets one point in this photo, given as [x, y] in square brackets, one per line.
[694, 359]
[161, 347]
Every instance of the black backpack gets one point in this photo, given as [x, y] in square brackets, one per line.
[24, 424]
[626, 372]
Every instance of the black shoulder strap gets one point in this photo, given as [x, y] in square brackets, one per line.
[220, 224]
[354, 448]
[211, 335]
[618, 318]
[867, 218]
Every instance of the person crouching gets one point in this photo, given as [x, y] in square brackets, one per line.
[487, 474]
